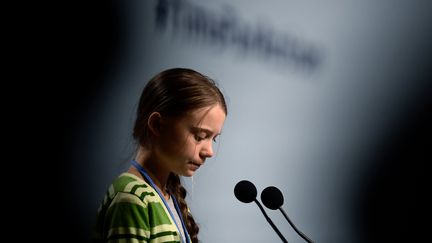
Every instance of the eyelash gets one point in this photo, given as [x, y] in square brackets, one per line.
[199, 139]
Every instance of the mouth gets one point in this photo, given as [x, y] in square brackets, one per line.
[195, 164]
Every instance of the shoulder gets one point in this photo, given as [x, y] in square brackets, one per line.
[123, 209]
[132, 208]
[129, 187]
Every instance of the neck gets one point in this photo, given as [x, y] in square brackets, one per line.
[157, 173]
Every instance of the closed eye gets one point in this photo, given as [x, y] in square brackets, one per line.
[201, 134]
[199, 138]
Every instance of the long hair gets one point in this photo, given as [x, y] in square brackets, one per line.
[173, 93]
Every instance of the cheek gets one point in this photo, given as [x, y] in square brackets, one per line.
[178, 145]
[171, 147]
[186, 147]
[192, 147]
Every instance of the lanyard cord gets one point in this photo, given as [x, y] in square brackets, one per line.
[144, 173]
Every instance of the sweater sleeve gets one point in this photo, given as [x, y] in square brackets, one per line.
[126, 219]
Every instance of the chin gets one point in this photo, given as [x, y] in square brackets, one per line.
[189, 173]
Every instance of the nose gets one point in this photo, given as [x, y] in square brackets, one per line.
[207, 150]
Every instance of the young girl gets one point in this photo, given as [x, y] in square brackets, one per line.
[180, 114]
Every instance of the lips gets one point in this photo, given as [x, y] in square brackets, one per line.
[197, 165]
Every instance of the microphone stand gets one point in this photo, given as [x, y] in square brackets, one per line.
[270, 221]
[294, 227]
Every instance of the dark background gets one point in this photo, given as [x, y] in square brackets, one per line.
[61, 54]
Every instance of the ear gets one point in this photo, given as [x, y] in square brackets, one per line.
[154, 123]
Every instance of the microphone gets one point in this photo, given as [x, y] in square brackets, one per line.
[273, 199]
[245, 191]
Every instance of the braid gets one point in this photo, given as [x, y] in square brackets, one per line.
[175, 187]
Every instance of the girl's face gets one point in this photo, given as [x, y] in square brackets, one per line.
[185, 143]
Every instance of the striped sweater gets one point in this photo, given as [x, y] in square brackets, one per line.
[132, 211]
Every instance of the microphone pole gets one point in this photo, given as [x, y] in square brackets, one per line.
[270, 221]
[294, 227]
[273, 199]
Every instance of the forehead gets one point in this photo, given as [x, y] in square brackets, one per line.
[210, 118]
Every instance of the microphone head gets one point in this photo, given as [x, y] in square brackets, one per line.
[272, 198]
[245, 191]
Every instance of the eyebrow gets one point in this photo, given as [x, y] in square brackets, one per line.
[205, 130]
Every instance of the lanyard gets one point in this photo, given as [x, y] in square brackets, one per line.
[144, 173]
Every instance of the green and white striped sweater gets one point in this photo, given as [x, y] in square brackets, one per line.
[132, 211]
